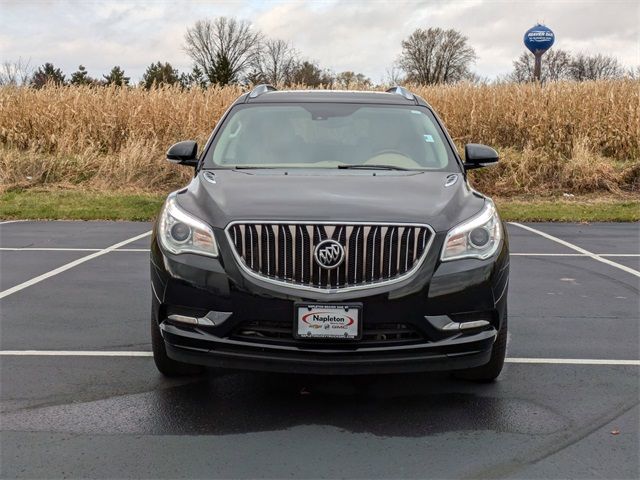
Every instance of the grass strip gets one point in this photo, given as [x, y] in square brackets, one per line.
[91, 205]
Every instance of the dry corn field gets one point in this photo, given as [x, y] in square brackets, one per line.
[560, 137]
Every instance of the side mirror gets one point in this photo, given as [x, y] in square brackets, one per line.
[477, 156]
[184, 153]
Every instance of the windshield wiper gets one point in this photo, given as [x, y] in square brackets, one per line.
[251, 167]
[371, 167]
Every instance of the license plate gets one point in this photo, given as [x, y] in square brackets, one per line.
[328, 321]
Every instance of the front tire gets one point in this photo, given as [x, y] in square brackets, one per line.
[491, 370]
[165, 365]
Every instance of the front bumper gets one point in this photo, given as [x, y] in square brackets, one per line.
[191, 346]
[215, 291]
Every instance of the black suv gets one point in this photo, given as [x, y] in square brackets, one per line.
[330, 232]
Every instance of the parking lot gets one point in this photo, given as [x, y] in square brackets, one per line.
[80, 396]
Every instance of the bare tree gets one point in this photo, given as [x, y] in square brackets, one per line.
[436, 56]
[16, 72]
[310, 74]
[633, 73]
[556, 65]
[349, 78]
[224, 48]
[276, 63]
[393, 76]
[523, 68]
[595, 67]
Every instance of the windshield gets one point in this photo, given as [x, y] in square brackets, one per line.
[325, 135]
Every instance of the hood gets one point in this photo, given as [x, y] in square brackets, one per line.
[222, 196]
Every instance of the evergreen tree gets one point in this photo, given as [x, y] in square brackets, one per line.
[47, 74]
[116, 77]
[196, 78]
[222, 72]
[160, 74]
[81, 77]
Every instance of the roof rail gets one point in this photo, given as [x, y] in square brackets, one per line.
[398, 90]
[260, 89]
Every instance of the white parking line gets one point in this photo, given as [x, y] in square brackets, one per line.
[67, 249]
[579, 249]
[140, 353]
[72, 249]
[69, 265]
[11, 221]
[571, 254]
[73, 353]
[573, 361]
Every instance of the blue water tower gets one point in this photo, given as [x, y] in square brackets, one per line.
[538, 39]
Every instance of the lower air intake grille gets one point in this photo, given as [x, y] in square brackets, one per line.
[282, 332]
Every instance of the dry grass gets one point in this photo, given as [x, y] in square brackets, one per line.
[571, 137]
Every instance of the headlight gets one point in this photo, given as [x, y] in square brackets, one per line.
[478, 237]
[179, 232]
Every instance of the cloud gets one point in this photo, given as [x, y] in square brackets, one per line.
[362, 35]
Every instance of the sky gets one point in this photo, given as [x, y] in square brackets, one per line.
[362, 36]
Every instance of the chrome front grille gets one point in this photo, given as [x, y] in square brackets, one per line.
[373, 253]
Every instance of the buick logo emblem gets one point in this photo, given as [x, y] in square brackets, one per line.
[329, 254]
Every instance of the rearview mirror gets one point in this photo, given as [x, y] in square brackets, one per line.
[184, 153]
[477, 156]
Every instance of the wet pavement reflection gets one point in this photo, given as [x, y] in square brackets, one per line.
[405, 405]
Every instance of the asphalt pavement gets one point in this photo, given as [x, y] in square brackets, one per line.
[80, 396]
